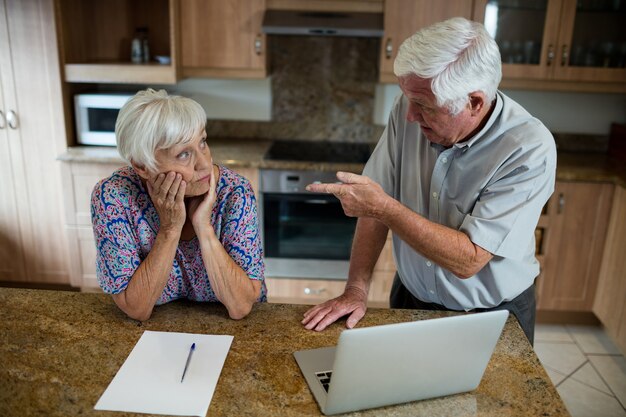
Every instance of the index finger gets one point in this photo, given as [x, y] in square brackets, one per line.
[336, 189]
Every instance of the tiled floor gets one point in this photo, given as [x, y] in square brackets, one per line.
[585, 366]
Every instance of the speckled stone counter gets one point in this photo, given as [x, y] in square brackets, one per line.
[247, 153]
[593, 167]
[571, 166]
[60, 350]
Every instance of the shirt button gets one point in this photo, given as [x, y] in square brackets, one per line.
[435, 195]
[431, 291]
[444, 159]
[428, 263]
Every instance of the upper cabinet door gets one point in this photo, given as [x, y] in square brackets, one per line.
[568, 45]
[222, 38]
[526, 32]
[404, 17]
[592, 41]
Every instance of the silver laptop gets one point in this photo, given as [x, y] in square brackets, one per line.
[397, 363]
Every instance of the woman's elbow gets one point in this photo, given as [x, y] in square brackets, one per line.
[139, 315]
[133, 312]
[240, 311]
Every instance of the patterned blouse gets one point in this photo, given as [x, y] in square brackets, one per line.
[125, 225]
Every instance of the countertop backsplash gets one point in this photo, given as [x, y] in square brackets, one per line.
[323, 89]
[572, 142]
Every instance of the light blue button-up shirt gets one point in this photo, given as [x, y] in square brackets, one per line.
[491, 187]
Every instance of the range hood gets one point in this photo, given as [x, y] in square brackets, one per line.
[313, 23]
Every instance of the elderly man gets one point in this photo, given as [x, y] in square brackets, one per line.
[460, 176]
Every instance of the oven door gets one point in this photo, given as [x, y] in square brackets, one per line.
[306, 236]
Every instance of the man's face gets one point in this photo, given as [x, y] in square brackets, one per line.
[438, 125]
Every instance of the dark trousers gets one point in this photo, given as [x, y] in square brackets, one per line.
[523, 306]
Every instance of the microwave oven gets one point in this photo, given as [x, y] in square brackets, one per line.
[96, 115]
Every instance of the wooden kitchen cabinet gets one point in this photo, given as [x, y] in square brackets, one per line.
[609, 304]
[96, 38]
[405, 17]
[222, 39]
[558, 44]
[314, 291]
[578, 219]
[32, 134]
[80, 178]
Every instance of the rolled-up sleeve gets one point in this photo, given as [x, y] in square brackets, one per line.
[508, 209]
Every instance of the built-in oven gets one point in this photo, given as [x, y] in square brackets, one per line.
[305, 234]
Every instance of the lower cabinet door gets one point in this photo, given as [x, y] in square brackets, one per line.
[573, 254]
[302, 291]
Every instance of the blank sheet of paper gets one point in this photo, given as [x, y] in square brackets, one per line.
[149, 380]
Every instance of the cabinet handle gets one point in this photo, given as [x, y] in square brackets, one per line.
[388, 48]
[550, 54]
[313, 291]
[258, 45]
[12, 119]
[564, 56]
[561, 204]
[3, 121]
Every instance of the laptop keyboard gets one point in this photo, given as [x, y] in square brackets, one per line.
[324, 378]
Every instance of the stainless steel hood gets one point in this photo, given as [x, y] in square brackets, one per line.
[312, 23]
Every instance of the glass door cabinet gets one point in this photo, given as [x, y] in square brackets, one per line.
[561, 40]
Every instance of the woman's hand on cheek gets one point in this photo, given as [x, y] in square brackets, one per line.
[167, 191]
[202, 208]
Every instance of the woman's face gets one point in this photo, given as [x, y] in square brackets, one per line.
[192, 160]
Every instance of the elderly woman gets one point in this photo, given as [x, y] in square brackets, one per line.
[172, 224]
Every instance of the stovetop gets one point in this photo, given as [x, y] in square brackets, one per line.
[319, 151]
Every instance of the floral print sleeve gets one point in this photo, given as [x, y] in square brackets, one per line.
[117, 252]
[239, 227]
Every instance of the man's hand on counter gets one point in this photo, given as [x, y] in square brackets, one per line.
[353, 301]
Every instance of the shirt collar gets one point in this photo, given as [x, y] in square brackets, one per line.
[492, 119]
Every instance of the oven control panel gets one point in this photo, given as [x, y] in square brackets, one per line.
[293, 181]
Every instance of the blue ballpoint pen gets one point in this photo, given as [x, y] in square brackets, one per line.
[193, 347]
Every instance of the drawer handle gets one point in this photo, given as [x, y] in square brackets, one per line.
[550, 54]
[561, 204]
[12, 120]
[564, 56]
[388, 48]
[313, 291]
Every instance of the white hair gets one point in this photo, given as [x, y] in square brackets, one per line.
[153, 120]
[458, 55]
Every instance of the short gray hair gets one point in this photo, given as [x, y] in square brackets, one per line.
[458, 55]
[152, 120]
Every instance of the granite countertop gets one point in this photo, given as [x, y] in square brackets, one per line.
[60, 350]
[249, 153]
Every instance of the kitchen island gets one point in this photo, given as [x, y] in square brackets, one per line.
[60, 350]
